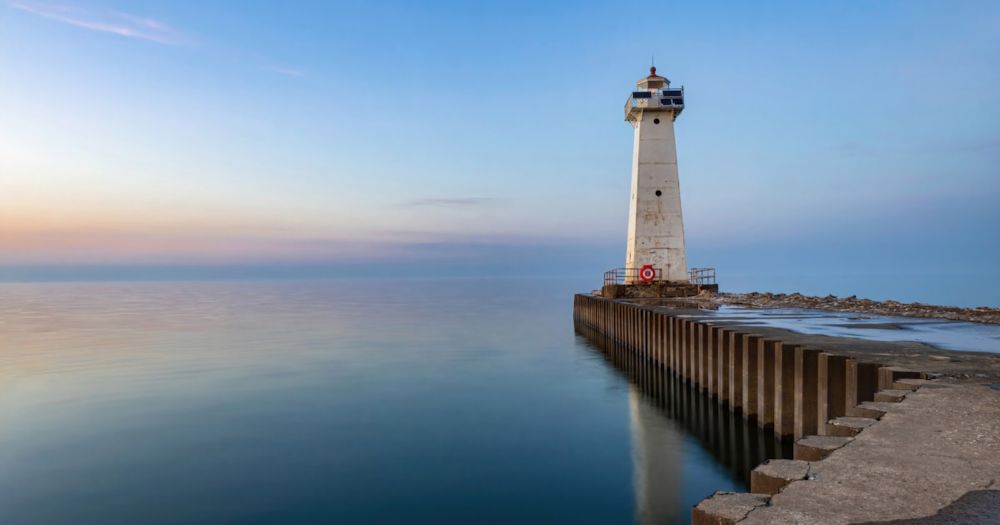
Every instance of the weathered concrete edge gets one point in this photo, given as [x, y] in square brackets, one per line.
[929, 454]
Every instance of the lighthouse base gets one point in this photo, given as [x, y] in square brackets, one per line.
[656, 290]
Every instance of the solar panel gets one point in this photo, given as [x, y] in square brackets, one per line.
[641, 94]
[673, 93]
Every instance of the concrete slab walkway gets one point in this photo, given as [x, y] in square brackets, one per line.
[941, 443]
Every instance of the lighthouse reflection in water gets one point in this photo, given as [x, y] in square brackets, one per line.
[676, 431]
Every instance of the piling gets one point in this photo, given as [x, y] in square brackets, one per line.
[784, 389]
[766, 391]
[831, 395]
[793, 391]
[805, 390]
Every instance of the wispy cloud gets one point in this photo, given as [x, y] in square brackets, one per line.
[106, 21]
[457, 202]
[131, 26]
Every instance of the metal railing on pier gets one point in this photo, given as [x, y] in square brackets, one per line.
[632, 275]
[702, 276]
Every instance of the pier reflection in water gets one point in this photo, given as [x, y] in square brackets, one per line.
[735, 443]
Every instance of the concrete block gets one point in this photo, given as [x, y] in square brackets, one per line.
[664, 339]
[693, 352]
[622, 324]
[866, 412]
[772, 475]
[831, 401]
[750, 346]
[862, 382]
[848, 426]
[706, 374]
[726, 508]
[625, 324]
[735, 351]
[891, 396]
[644, 333]
[634, 318]
[805, 391]
[650, 338]
[698, 361]
[887, 375]
[636, 329]
[872, 409]
[710, 363]
[672, 344]
[784, 389]
[615, 323]
[650, 334]
[766, 349]
[909, 384]
[689, 351]
[706, 358]
[722, 364]
[654, 338]
[685, 343]
[639, 337]
[678, 344]
[816, 448]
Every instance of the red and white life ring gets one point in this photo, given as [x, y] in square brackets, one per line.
[647, 273]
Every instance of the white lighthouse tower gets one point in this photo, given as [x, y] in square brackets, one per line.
[655, 223]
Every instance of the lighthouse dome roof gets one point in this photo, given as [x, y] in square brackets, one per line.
[653, 81]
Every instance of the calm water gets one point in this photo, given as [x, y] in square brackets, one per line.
[338, 401]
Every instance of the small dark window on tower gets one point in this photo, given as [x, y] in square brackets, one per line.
[658, 193]
[656, 121]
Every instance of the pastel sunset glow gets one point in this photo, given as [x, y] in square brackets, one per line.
[168, 133]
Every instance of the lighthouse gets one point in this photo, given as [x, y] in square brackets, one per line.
[655, 223]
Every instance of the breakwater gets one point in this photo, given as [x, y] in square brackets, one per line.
[817, 399]
[981, 314]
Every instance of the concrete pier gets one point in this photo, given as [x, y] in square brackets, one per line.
[792, 390]
[923, 459]
[871, 441]
[823, 401]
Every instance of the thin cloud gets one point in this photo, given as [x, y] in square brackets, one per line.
[459, 202]
[130, 26]
[106, 21]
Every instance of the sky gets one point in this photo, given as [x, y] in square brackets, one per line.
[182, 138]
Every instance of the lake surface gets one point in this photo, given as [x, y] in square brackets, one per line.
[370, 401]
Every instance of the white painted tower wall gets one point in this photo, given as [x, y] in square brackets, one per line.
[655, 225]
